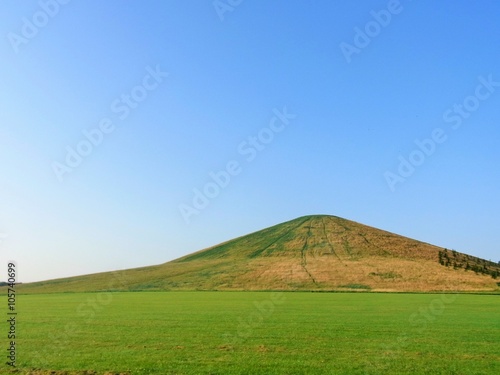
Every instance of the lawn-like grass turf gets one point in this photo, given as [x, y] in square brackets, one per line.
[258, 333]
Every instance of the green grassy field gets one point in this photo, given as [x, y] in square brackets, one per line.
[257, 333]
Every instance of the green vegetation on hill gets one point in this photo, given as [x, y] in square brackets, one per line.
[468, 263]
[265, 242]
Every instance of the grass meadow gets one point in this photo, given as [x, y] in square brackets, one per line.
[257, 333]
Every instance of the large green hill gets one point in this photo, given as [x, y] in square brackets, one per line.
[309, 253]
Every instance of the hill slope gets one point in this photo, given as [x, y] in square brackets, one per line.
[309, 253]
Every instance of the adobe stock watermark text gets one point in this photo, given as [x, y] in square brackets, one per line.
[248, 149]
[31, 26]
[426, 147]
[121, 107]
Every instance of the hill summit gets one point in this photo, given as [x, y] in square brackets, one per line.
[320, 252]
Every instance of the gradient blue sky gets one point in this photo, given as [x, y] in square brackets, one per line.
[120, 207]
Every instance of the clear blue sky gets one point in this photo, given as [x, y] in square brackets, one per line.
[359, 81]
